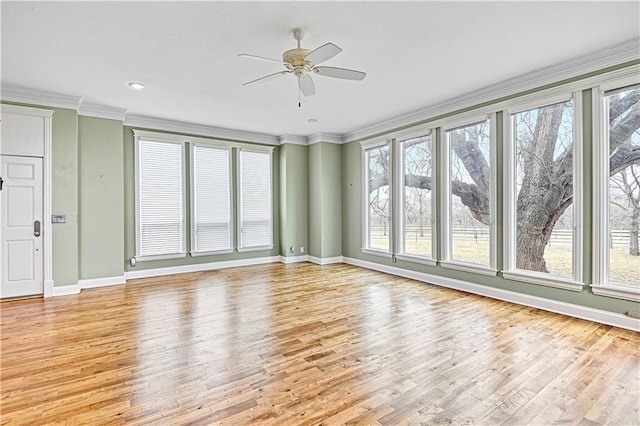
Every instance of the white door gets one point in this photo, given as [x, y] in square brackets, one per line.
[21, 210]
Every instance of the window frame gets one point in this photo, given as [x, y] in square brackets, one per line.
[540, 100]
[400, 213]
[366, 147]
[447, 261]
[158, 138]
[192, 195]
[600, 283]
[262, 150]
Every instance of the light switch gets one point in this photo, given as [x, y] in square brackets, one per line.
[58, 218]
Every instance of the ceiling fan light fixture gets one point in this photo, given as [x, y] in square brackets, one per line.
[302, 63]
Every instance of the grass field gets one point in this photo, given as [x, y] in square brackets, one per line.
[625, 269]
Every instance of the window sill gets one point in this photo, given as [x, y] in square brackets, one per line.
[375, 252]
[469, 267]
[257, 248]
[416, 259]
[210, 253]
[617, 291]
[160, 257]
[546, 280]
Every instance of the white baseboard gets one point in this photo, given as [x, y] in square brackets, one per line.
[102, 282]
[577, 311]
[197, 267]
[65, 290]
[294, 259]
[325, 260]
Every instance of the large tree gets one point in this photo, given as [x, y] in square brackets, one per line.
[546, 182]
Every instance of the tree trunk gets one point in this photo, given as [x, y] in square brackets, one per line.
[634, 250]
[541, 195]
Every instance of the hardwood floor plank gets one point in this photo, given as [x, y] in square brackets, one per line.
[307, 344]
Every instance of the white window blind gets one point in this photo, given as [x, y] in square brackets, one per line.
[160, 218]
[211, 198]
[255, 199]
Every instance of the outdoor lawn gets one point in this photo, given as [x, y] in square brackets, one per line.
[625, 269]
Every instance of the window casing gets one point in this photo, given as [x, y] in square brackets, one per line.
[377, 198]
[543, 191]
[211, 196]
[255, 211]
[468, 194]
[161, 208]
[617, 189]
[160, 189]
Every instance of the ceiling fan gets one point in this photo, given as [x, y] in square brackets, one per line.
[303, 63]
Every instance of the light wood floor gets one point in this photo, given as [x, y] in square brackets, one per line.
[304, 344]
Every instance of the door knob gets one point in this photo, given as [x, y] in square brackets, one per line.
[36, 228]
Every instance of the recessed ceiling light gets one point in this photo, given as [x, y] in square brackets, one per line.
[136, 85]
[312, 120]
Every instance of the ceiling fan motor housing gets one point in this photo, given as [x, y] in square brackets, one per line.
[295, 57]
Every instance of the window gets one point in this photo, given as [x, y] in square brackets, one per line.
[377, 193]
[544, 197]
[210, 199]
[617, 181]
[162, 176]
[468, 206]
[416, 192]
[255, 209]
[159, 199]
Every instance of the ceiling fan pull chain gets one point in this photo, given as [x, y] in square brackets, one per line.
[299, 104]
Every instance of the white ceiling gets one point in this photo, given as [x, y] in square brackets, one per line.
[416, 54]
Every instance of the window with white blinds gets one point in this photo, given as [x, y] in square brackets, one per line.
[159, 199]
[255, 212]
[210, 200]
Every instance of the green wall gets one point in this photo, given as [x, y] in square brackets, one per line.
[293, 199]
[64, 196]
[325, 200]
[101, 171]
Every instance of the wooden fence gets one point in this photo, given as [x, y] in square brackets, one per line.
[618, 237]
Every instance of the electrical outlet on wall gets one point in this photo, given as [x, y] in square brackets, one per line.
[301, 249]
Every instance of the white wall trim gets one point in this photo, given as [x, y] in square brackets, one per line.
[48, 288]
[569, 309]
[325, 260]
[324, 137]
[293, 140]
[102, 282]
[198, 129]
[198, 267]
[38, 97]
[101, 111]
[614, 55]
[293, 259]
[65, 290]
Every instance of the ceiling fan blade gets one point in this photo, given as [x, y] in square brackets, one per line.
[306, 85]
[340, 73]
[266, 77]
[261, 58]
[322, 53]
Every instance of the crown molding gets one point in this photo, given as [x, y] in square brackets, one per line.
[101, 111]
[198, 129]
[26, 95]
[292, 139]
[324, 137]
[615, 55]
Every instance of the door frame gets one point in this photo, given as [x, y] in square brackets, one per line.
[47, 115]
